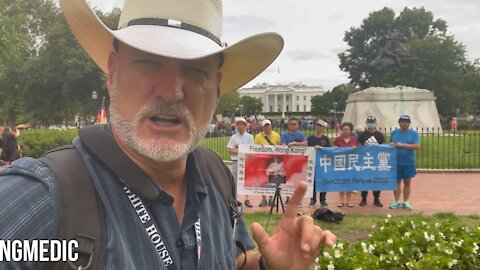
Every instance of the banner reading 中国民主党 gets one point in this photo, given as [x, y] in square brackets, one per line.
[371, 167]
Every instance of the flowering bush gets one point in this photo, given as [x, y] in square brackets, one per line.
[408, 244]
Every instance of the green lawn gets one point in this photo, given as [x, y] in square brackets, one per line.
[448, 151]
[356, 227]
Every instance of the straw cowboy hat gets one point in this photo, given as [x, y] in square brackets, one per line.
[177, 29]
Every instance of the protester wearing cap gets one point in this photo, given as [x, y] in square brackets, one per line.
[166, 68]
[407, 141]
[267, 137]
[371, 136]
[240, 137]
[319, 139]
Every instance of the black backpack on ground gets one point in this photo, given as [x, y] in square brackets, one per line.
[328, 215]
[82, 215]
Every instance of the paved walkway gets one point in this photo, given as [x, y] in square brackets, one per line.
[431, 193]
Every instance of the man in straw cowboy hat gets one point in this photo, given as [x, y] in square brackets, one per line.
[166, 70]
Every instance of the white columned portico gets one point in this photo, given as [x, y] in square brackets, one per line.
[276, 106]
[284, 103]
[266, 103]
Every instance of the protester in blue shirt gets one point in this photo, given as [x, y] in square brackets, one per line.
[293, 138]
[166, 69]
[407, 141]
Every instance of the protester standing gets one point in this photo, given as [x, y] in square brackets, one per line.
[371, 136]
[345, 139]
[293, 137]
[318, 140]
[267, 137]
[240, 137]
[407, 141]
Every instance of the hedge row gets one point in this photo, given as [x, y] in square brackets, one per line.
[35, 142]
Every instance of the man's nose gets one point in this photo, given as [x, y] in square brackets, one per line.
[169, 84]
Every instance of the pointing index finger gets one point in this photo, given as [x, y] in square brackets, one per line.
[295, 200]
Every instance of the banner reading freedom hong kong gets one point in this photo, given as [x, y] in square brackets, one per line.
[371, 167]
[262, 167]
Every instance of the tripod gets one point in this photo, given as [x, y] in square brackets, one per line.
[276, 200]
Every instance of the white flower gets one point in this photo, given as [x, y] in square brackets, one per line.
[364, 247]
[390, 241]
[373, 226]
[327, 255]
[458, 244]
[395, 258]
[437, 224]
[386, 220]
[448, 251]
[401, 250]
[371, 248]
[339, 245]
[337, 254]
[452, 263]
[475, 248]
[317, 260]
[424, 223]
[330, 266]
[409, 265]
[389, 216]
[370, 235]
[381, 257]
[407, 234]
[442, 235]
[381, 228]
[391, 252]
[358, 268]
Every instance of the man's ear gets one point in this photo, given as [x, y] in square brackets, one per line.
[112, 68]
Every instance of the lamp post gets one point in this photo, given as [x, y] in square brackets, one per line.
[94, 101]
[241, 109]
[335, 111]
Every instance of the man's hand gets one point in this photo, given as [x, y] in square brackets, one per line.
[295, 242]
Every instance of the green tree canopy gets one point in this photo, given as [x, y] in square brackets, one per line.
[251, 105]
[441, 67]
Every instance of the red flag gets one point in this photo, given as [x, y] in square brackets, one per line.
[102, 114]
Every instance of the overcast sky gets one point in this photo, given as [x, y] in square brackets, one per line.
[313, 31]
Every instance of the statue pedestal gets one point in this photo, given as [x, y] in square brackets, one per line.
[387, 104]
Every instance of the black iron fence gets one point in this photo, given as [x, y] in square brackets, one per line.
[447, 149]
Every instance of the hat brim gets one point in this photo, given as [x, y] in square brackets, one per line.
[243, 61]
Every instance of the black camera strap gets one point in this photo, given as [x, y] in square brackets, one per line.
[268, 140]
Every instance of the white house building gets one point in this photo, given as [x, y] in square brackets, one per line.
[284, 98]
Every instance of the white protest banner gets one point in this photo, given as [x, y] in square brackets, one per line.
[262, 167]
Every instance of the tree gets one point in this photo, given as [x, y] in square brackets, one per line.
[323, 105]
[251, 105]
[228, 103]
[50, 77]
[441, 65]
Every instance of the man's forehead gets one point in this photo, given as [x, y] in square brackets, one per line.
[125, 50]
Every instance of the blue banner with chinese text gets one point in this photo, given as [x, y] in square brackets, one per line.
[371, 167]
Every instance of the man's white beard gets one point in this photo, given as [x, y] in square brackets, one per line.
[159, 148]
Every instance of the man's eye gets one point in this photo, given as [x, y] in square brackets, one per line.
[197, 70]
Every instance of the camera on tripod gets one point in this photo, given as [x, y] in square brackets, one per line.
[277, 179]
